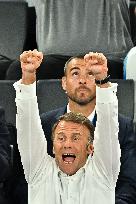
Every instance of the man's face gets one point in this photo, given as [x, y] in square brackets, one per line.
[79, 82]
[71, 146]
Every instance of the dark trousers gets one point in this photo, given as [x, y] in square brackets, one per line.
[52, 67]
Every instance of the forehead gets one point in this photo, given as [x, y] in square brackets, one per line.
[71, 127]
[76, 63]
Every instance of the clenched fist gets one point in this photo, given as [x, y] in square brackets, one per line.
[30, 61]
[98, 64]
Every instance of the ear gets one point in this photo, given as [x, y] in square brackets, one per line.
[90, 149]
[64, 83]
[53, 150]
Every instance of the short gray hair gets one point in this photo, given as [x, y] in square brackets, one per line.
[76, 118]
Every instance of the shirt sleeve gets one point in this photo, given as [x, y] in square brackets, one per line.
[30, 136]
[106, 158]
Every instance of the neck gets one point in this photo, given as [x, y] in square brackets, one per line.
[86, 110]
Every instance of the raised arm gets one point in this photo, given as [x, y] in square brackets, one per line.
[30, 136]
[106, 156]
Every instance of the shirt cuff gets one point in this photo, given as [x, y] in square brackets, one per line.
[106, 95]
[25, 91]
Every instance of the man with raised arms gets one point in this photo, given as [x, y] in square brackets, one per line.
[87, 163]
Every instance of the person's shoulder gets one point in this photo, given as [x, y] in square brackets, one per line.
[53, 113]
[48, 119]
[125, 123]
[126, 131]
[124, 119]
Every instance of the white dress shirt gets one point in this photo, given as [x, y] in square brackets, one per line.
[90, 117]
[95, 182]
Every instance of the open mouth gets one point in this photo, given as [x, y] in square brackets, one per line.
[83, 89]
[68, 158]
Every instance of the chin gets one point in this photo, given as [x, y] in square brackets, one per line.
[83, 102]
[68, 170]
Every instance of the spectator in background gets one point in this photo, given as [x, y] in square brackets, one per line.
[67, 28]
[5, 166]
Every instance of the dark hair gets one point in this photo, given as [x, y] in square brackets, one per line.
[69, 60]
[76, 118]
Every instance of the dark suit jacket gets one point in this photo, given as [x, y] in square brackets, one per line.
[126, 184]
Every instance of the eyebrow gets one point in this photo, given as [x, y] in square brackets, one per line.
[76, 133]
[60, 133]
[74, 68]
[73, 134]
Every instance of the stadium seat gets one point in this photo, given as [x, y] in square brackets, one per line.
[51, 95]
[13, 27]
[7, 100]
[129, 70]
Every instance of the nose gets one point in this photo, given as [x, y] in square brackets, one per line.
[68, 144]
[82, 80]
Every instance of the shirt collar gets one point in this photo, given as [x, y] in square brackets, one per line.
[90, 117]
[81, 171]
